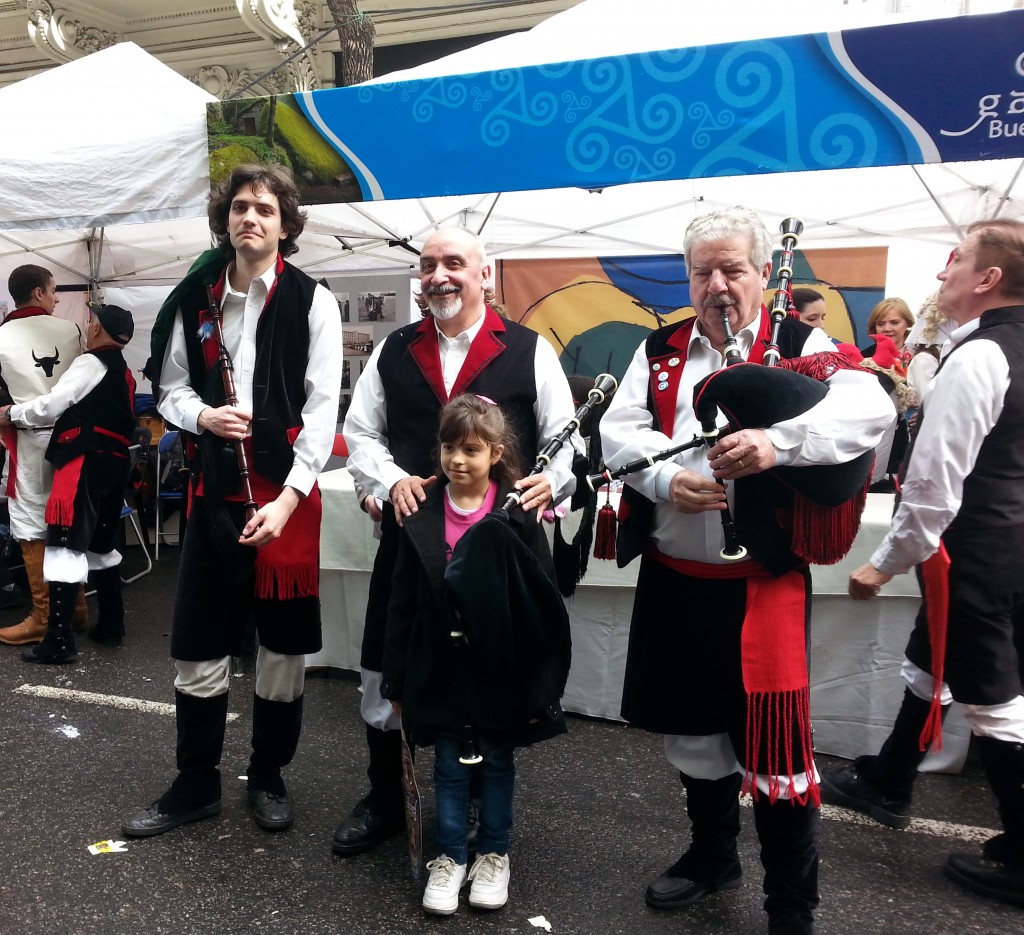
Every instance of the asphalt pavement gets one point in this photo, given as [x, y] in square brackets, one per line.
[598, 814]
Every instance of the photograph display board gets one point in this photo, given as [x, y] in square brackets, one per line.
[371, 307]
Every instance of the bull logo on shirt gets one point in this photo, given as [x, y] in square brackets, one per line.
[47, 363]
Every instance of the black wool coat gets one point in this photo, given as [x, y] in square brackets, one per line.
[499, 589]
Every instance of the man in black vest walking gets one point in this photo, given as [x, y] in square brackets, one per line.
[283, 333]
[391, 427]
[964, 489]
[92, 410]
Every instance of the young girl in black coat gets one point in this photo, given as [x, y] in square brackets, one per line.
[500, 688]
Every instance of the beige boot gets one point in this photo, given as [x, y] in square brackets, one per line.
[33, 628]
[80, 620]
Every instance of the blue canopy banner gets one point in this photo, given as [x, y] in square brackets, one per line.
[910, 93]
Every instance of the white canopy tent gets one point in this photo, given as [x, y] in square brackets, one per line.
[116, 195]
[102, 158]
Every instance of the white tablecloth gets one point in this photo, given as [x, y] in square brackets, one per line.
[856, 647]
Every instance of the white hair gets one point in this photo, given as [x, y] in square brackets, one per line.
[474, 239]
[731, 222]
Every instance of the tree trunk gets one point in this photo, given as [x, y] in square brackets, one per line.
[356, 33]
[271, 120]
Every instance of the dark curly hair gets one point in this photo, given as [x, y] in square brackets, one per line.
[275, 179]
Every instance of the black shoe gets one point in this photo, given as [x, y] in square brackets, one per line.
[848, 788]
[150, 821]
[272, 811]
[365, 828]
[51, 651]
[104, 636]
[988, 877]
[672, 890]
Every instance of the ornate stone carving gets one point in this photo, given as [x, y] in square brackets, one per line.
[275, 20]
[222, 82]
[61, 38]
[278, 21]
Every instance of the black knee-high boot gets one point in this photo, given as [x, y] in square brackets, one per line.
[201, 723]
[380, 814]
[894, 770]
[276, 726]
[109, 628]
[711, 862]
[999, 872]
[882, 786]
[195, 792]
[789, 854]
[58, 646]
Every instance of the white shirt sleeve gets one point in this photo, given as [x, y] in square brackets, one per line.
[553, 411]
[851, 419]
[179, 404]
[322, 383]
[83, 376]
[369, 459]
[627, 432]
[964, 402]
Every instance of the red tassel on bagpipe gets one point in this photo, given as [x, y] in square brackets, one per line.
[604, 538]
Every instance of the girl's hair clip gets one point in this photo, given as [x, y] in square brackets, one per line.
[486, 399]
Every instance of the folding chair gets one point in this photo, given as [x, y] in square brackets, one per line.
[130, 514]
[164, 495]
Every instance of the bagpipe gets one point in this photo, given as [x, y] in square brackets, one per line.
[604, 385]
[787, 515]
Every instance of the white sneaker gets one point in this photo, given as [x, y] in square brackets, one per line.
[441, 897]
[490, 875]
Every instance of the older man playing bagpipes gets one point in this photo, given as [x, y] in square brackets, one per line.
[717, 657]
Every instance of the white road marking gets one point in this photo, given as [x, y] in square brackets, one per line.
[111, 701]
[937, 829]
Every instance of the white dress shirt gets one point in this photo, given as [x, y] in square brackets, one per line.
[965, 400]
[370, 461]
[181, 405]
[80, 379]
[847, 422]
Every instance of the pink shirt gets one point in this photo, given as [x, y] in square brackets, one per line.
[457, 521]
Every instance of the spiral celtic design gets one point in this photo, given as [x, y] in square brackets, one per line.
[843, 141]
[748, 75]
[673, 64]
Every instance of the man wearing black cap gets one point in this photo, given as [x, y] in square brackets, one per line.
[93, 413]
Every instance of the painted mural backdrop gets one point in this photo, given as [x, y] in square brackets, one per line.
[596, 312]
[908, 93]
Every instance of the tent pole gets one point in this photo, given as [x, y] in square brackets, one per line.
[95, 248]
[487, 216]
[1009, 188]
[939, 204]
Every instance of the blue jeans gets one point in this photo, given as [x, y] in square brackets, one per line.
[451, 794]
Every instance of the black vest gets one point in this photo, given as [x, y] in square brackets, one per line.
[994, 490]
[413, 407]
[282, 350]
[110, 406]
[759, 497]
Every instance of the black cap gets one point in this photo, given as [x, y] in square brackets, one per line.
[116, 321]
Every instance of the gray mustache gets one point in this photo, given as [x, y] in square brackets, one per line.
[720, 301]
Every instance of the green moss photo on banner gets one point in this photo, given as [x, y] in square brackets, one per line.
[274, 130]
